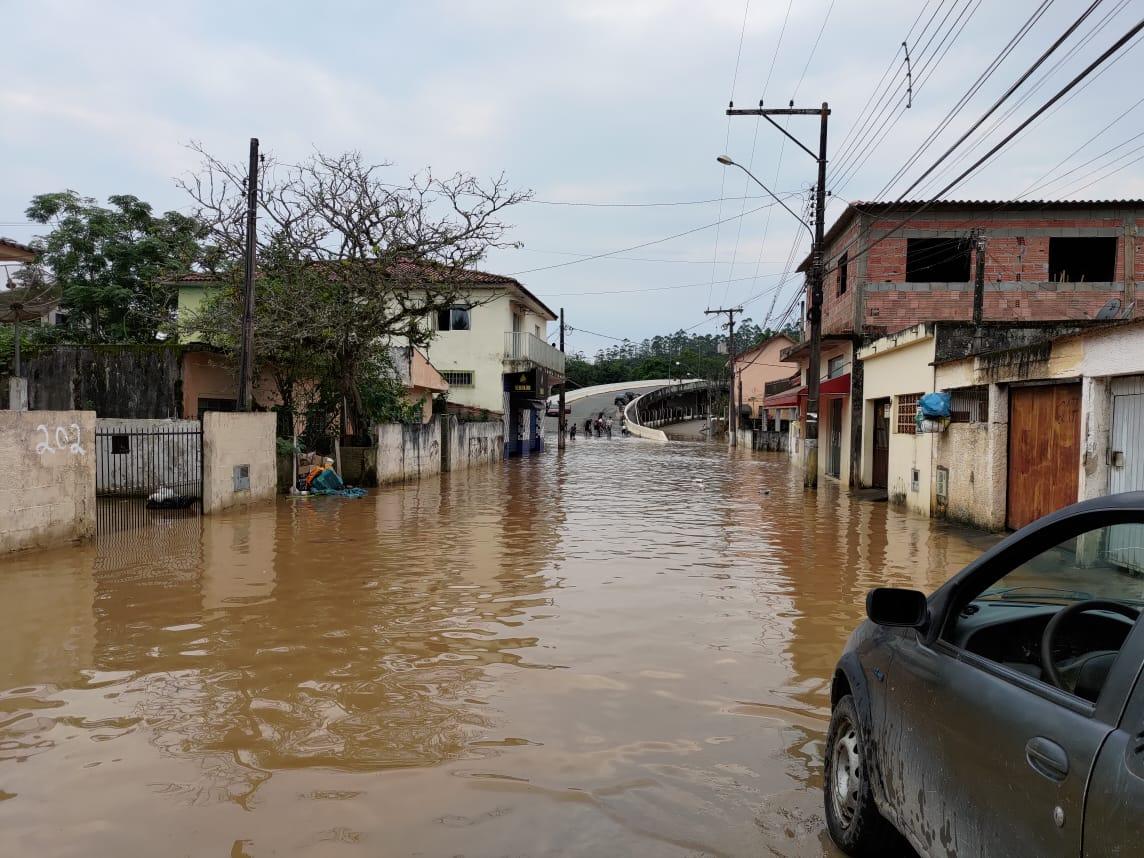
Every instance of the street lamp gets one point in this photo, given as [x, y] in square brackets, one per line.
[727, 161]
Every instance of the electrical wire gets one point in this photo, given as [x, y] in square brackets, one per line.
[636, 246]
[997, 104]
[1029, 93]
[981, 80]
[1061, 93]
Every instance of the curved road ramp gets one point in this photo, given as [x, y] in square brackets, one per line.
[669, 406]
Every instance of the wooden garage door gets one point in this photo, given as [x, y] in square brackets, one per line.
[1044, 451]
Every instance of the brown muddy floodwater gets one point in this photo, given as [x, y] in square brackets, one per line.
[624, 651]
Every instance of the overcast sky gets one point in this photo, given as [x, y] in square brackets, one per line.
[590, 101]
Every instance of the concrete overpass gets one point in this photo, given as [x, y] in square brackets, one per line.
[662, 404]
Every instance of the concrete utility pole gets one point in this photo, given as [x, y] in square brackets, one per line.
[817, 271]
[562, 422]
[246, 353]
[979, 279]
[732, 415]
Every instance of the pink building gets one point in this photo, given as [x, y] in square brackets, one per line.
[758, 366]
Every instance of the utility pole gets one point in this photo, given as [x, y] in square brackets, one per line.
[979, 279]
[246, 353]
[732, 415]
[562, 422]
[817, 271]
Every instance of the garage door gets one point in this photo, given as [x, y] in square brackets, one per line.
[1044, 451]
[1126, 466]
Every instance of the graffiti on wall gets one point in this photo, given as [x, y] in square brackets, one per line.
[65, 439]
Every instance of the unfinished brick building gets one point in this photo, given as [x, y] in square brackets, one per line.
[1044, 262]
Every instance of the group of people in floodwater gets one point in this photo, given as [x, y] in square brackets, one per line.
[600, 425]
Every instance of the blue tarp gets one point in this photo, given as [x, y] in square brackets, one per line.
[934, 406]
[329, 483]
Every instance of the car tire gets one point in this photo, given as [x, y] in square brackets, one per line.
[852, 817]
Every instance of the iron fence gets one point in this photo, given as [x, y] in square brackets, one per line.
[147, 473]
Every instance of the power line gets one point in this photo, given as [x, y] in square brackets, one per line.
[1061, 93]
[982, 78]
[844, 158]
[622, 205]
[983, 138]
[637, 246]
[1004, 97]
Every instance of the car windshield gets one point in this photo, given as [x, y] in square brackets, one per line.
[1104, 563]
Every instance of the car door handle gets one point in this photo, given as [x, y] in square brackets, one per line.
[1047, 758]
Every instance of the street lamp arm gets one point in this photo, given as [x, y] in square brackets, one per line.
[727, 162]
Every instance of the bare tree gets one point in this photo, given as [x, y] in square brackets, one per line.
[348, 262]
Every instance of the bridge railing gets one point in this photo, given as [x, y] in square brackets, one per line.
[638, 413]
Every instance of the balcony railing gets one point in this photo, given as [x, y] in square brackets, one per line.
[520, 347]
[778, 386]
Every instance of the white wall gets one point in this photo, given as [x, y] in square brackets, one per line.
[481, 350]
[893, 366]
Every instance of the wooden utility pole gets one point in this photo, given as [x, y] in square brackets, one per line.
[246, 353]
[979, 279]
[732, 413]
[817, 272]
[562, 422]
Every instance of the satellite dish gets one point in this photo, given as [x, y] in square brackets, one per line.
[1109, 311]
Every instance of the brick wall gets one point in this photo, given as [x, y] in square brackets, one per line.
[1016, 270]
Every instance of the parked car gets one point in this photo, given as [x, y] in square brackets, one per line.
[1004, 714]
[553, 409]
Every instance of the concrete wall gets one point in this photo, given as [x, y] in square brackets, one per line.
[408, 451]
[48, 494]
[114, 381]
[477, 444]
[160, 459]
[232, 440]
[894, 366]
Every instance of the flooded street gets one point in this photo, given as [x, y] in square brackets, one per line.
[622, 651]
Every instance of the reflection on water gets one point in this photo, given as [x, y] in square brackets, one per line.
[624, 650]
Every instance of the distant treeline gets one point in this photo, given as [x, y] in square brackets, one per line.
[682, 353]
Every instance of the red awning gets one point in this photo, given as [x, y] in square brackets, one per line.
[839, 386]
[786, 399]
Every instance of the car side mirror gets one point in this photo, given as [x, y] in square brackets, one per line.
[897, 607]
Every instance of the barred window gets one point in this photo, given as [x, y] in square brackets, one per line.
[907, 408]
[969, 404]
[458, 377]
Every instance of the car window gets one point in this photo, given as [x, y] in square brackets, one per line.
[1103, 563]
[1080, 598]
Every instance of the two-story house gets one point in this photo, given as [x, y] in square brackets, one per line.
[493, 350]
[891, 266]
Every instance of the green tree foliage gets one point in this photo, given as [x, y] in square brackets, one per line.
[666, 356]
[348, 264]
[110, 263]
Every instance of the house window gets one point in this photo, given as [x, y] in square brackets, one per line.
[842, 260]
[1082, 260]
[937, 260]
[458, 377]
[835, 366]
[907, 409]
[969, 404]
[453, 319]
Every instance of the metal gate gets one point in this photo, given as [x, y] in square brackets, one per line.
[834, 449]
[1126, 467]
[147, 473]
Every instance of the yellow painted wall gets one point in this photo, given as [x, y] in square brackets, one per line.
[902, 370]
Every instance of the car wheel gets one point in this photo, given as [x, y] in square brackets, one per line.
[851, 815]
